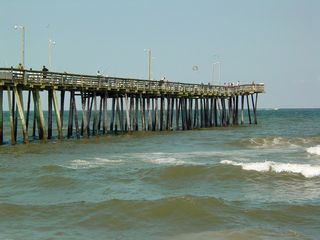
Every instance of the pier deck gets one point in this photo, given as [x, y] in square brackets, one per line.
[135, 104]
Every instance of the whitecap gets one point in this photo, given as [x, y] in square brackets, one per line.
[306, 170]
[105, 160]
[314, 150]
[167, 160]
[86, 164]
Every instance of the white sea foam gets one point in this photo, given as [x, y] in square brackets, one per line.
[277, 142]
[167, 160]
[162, 158]
[314, 150]
[94, 163]
[306, 170]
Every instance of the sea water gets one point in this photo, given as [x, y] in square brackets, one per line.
[244, 182]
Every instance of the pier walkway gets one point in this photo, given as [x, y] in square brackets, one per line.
[135, 105]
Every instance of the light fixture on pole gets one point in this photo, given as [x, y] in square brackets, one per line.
[148, 51]
[51, 44]
[22, 42]
[218, 64]
[195, 69]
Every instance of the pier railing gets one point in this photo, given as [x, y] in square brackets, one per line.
[32, 79]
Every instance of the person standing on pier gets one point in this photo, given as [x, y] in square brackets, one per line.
[20, 67]
[44, 70]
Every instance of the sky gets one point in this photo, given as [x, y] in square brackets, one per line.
[275, 42]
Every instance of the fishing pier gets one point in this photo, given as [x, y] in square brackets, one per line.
[109, 105]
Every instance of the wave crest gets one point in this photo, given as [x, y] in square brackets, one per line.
[306, 170]
[314, 150]
[94, 163]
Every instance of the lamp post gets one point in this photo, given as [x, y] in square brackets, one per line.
[217, 63]
[51, 44]
[22, 42]
[148, 51]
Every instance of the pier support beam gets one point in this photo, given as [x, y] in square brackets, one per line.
[149, 114]
[254, 107]
[62, 94]
[126, 102]
[28, 109]
[50, 93]
[70, 120]
[105, 113]
[1, 115]
[39, 114]
[84, 124]
[13, 140]
[242, 110]
[57, 113]
[18, 95]
[248, 106]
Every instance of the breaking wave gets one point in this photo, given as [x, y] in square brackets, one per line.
[94, 163]
[307, 170]
[276, 142]
[314, 150]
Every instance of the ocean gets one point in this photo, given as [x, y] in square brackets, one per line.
[244, 182]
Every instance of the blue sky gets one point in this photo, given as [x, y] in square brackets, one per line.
[275, 41]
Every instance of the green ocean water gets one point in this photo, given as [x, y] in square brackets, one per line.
[246, 182]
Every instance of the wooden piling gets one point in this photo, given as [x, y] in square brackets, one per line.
[142, 115]
[230, 111]
[75, 114]
[34, 119]
[118, 118]
[156, 128]
[1, 115]
[184, 114]
[171, 114]
[149, 114]
[62, 96]
[18, 94]
[40, 118]
[127, 112]
[223, 114]
[50, 93]
[206, 112]
[100, 114]
[242, 109]
[95, 115]
[254, 107]
[121, 117]
[28, 109]
[70, 119]
[190, 114]
[211, 110]
[84, 124]
[248, 106]
[161, 112]
[112, 113]
[131, 111]
[13, 140]
[105, 113]
[201, 113]
[215, 112]
[177, 113]
[15, 115]
[57, 114]
[89, 107]
[136, 128]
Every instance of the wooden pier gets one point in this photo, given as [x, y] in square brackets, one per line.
[107, 105]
